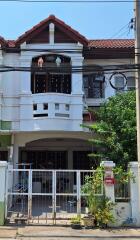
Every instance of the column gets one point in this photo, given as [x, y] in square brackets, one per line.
[109, 179]
[1, 90]
[134, 192]
[51, 33]
[3, 168]
[1, 62]
[25, 87]
[77, 78]
[26, 103]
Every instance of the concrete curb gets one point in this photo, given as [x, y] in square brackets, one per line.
[76, 236]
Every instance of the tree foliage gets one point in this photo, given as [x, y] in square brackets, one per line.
[114, 133]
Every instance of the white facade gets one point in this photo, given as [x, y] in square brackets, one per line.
[41, 111]
[64, 113]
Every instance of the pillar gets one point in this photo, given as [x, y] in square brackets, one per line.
[134, 196]
[109, 187]
[77, 78]
[1, 90]
[26, 102]
[3, 168]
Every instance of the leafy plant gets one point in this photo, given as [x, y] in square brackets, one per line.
[115, 130]
[76, 220]
[100, 207]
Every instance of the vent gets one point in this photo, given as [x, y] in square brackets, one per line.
[41, 115]
[62, 115]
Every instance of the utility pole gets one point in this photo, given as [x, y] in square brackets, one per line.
[137, 76]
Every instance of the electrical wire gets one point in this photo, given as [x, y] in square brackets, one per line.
[119, 31]
[55, 50]
[70, 1]
[89, 69]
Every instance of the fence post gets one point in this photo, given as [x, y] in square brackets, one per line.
[109, 185]
[78, 193]
[134, 193]
[3, 168]
[30, 194]
[54, 182]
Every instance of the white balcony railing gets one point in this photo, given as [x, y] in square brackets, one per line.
[57, 105]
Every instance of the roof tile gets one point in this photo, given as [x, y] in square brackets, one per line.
[111, 43]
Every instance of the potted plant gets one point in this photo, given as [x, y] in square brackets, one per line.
[76, 222]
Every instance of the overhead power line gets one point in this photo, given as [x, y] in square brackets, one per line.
[120, 30]
[68, 69]
[70, 50]
[69, 1]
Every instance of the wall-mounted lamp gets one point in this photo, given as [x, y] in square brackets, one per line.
[58, 61]
[40, 62]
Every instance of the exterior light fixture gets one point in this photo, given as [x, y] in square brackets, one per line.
[58, 61]
[40, 62]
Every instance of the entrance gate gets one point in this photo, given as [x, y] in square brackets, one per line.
[45, 196]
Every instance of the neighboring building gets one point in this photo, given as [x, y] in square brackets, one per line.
[41, 111]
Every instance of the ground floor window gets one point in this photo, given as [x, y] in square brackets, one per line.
[82, 161]
[45, 159]
[42, 159]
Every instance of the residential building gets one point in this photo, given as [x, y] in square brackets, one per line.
[43, 105]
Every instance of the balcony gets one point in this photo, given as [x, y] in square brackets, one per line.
[53, 112]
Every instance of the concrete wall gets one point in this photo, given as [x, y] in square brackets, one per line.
[3, 167]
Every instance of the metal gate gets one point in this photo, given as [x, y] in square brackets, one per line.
[44, 196]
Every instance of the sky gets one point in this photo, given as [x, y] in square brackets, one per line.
[93, 20]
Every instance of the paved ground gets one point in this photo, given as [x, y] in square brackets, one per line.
[57, 233]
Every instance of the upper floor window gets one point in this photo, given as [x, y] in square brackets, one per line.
[53, 75]
[93, 86]
[130, 83]
[120, 82]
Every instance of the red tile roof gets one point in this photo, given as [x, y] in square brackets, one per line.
[94, 44]
[57, 21]
[2, 41]
[11, 43]
[111, 43]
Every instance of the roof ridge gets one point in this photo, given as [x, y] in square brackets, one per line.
[54, 19]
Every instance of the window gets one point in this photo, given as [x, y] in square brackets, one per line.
[56, 106]
[45, 106]
[130, 83]
[82, 161]
[93, 88]
[67, 107]
[51, 78]
[120, 82]
[39, 83]
[45, 159]
[34, 106]
[60, 83]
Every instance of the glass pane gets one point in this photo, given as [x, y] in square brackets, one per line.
[130, 83]
[119, 82]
